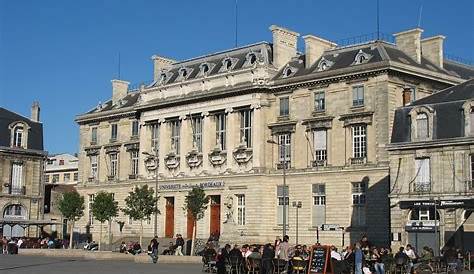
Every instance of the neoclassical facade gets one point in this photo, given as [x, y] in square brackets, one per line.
[21, 171]
[431, 170]
[208, 121]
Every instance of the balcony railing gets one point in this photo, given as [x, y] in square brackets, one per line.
[17, 190]
[422, 187]
[281, 165]
[318, 163]
[358, 161]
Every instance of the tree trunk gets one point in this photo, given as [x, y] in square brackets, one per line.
[110, 235]
[193, 239]
[141, 233]
[100, 235]
[71, 232]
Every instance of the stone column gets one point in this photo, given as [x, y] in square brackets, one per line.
[258, 135]
[232, 134]
[208, 139]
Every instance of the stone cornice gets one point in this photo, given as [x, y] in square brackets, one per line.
[283, 127]
[21, 151]
[431, 143]
[105, 116]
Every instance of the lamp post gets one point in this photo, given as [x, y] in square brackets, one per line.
[297, 205]
[435, 201]
[284, 181]
[155, 158]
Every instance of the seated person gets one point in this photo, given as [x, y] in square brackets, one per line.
[123, 248]
[170, 250]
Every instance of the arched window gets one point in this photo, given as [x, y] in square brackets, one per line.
[14, 212]
[228, 64]
[361, 58]
[183, 72]
[163, 78]
[18, 136]
[422, 126]
[204, 68]
[288, 71]
[252, 58]
[324, 64]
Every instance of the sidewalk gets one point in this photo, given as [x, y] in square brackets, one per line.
[108, 255]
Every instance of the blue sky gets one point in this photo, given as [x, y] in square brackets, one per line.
[64, 53]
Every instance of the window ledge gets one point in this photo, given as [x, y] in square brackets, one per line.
[319, 112]
[283, 117]
[357, 108]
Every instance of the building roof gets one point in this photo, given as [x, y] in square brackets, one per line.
[35, 134]
[129, 100]
[448, 121]
[61, 162]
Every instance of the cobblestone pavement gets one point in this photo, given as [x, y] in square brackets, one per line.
[49, 265]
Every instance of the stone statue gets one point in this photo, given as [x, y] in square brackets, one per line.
[229, 204]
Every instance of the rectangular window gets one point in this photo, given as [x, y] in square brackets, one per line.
[113, 165]
[134, 162]
[221, 130]
[246, 126]
[135, 128]
[46, 178]
[17, 179]
[197, 132]
[155, 136]
[241, 209]
[284, 149]
[319, 204]
[175, 135]
[422, 181]
[359, 141]
[359, 191]
[67, 177]
[76, 176]
[89, 208]
[55, 178]
[94, 167]
[319, 101]
[282, 198]
[422, 126]
[413, 93]
[284, 106]
[113, 132]
[94, 135]
[357, 96]
[18, 136]
[320, 145]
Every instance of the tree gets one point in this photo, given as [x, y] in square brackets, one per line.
[104, 208]
[195, 204]
[71, 207]
[140, 204]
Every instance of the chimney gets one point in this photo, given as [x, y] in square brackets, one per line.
[432, 49]
[410, 42]
[160, 63]
[315, 47]
[406, 96]
[35, 112]
[119, 90]
[284, 45]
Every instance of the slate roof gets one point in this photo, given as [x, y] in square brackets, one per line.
[35, 134]
[129, 100]
[449, 120]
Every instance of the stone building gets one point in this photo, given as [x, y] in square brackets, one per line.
[21, 170]
[431, 170]
[60, 175]
[209, 118]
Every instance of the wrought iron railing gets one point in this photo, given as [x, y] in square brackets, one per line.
[422, 187]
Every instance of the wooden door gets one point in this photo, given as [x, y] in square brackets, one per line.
[169, 223]
[215, 223]
[190, 227]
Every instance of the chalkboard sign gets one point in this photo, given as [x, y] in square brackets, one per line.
[320, 260]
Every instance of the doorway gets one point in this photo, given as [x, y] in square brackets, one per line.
[215, 222]
[169, 217]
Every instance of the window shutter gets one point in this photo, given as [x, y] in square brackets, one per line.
[319, 215]
[319, 139]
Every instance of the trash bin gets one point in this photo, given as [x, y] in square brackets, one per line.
[187, 252]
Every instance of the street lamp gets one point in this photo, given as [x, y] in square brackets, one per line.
[284, 181]
[155, 158]
[297, 205]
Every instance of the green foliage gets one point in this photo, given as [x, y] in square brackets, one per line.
[104, 207]
[140, 203]
[196, 202]
[71, 206]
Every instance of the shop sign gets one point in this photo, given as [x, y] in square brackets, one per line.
[410, 228]
[188, 186]
[328, 227]
[458, 203]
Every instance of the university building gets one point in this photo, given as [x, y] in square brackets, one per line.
[21, 171]
[431, 170]
[330, 111]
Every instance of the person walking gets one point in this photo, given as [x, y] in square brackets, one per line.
[358, 259]
[267, 259]
[154, 249]
[179, 245]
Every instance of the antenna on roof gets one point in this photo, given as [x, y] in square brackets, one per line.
[378, 20]
[119, 65]
[419, 14]
[236, 10]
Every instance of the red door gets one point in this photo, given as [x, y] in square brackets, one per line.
[215, 223]
[190, 226]
[169, 223]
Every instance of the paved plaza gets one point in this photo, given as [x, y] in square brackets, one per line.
[37, 264]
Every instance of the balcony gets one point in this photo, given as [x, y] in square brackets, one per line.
[319, 163]
[358, 160]
[422, 187]
[282, 165]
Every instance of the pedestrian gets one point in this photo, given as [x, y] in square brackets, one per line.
[153, 248]
[179, 245]
[358, 259]
[267, 259]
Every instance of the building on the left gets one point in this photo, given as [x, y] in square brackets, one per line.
[22, 160]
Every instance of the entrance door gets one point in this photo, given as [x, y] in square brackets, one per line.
[215, 223]
[190, 226]
[169, 223]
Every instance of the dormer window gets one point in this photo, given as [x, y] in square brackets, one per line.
[183, 73]
[422, 119]
[163, 78]
[228, 64]
[289, 71]
[18, 134]
[422, 126]
[324, 64]
[205, 69]
[468, 109]
[250, 59]
[361, 58]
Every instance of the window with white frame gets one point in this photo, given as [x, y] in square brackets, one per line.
[359, 192]
[221, 130]
[94, 166]
[76, 176]
[113, 165]
[197, 132]
[284, 149]
[282, 198]
[320, 144]
[422, 126]
[240, 209]
[55, 178]
[175, 135]
[46, 178]
[422, 181]
[18, 136]
[17, 179]
[135, 128]
[358, 96]
[67, 177]
[319, 100]
[134, 162]
[94, 135]
[359, 141]
[319, 204]
[284, 106]
[155, 136]
[89, 208]
[246, 126]
[113, 132]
